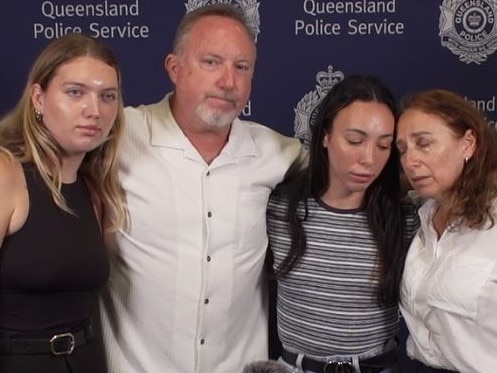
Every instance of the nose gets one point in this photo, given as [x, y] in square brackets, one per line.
[227, 80]
[367, 155]
[91, 106]
[409, 160]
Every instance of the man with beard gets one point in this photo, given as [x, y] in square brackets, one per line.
[187, 291]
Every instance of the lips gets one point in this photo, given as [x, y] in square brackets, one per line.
[361, 178]
[222, 101]
[418, 180]
[89, 130]
[225, 98]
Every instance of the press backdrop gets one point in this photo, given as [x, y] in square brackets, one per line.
[304, 47]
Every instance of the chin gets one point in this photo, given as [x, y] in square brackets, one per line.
[356, 188]
[425, 194]
[216, 118]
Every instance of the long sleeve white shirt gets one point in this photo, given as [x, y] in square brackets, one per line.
[449, 297]
[186, 292]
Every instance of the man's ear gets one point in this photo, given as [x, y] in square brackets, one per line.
[171, 64]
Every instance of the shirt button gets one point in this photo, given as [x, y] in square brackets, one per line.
[202, 341]
[208, 258]
[206, 301]
[209, 214]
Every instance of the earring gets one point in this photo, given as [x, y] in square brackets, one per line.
[38, 116]
[466, 160]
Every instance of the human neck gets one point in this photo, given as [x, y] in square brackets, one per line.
[209, 143]
[343, 201]
[70, 167]
[207, 139]
[440, 219]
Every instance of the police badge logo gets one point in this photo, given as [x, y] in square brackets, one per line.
[305, 112]
[249, 7]
[468, 29]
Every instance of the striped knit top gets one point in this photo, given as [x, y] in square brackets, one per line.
[327, 303]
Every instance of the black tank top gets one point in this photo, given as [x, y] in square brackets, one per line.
[52, 268]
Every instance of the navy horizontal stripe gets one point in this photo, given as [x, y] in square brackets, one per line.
[327, 304]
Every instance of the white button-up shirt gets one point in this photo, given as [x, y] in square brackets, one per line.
[186, 292]
[449, 297]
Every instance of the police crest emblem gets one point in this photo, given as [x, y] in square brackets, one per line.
[468, 29]
[305, 112]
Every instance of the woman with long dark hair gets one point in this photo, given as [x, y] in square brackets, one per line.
[338, 235]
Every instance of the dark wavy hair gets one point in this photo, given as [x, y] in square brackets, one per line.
[475, 191]
[382, 198]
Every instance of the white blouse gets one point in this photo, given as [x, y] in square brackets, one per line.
[449, 297]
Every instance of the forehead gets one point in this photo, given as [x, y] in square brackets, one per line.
[86, 68]
[216, 32]
[416, 120]
[367, 116]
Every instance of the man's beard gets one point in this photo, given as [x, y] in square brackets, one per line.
[215, 118]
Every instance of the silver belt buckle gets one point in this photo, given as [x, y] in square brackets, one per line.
[336, 366]
[57, 338]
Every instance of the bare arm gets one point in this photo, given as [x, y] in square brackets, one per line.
[14, 202]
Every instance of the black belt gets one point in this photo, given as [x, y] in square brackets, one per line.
[58, 344]
[373, 364]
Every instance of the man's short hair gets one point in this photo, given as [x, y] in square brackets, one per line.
[221, 10]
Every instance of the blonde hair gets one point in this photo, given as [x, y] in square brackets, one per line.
[23, 136]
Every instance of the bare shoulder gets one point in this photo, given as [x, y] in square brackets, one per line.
[10, 168]
[14, 204]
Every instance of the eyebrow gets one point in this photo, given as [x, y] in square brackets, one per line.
[415, 135]
[237, 59]
[364, 133]
[83, 85]
[420, 133]
[70, 82]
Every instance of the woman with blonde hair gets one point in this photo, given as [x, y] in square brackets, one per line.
[59, 188]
